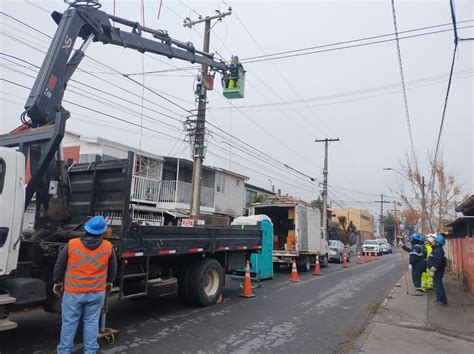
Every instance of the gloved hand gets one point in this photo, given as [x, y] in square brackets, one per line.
[58, 289]
[409, 266]
[109, 286]
[432, 271]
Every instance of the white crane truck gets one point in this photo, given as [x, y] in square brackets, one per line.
[153, 260]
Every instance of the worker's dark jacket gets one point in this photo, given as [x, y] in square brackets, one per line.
[234, 70]
[92, 243]
[437, 259]
[417, 254]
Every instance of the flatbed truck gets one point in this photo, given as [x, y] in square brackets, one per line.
[153, 260]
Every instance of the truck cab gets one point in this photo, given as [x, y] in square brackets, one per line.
[12, 202]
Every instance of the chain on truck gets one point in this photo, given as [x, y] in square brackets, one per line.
[153, 260]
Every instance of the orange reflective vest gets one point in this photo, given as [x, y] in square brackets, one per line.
[86, 269]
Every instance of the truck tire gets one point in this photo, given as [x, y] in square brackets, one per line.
[303, 264]
[183, 283]
[205, 282]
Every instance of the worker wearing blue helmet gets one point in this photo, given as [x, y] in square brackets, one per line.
[417, 259]
[437, 264]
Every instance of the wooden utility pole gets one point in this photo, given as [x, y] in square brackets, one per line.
[382, 202]
[199, 130]
[325, 182]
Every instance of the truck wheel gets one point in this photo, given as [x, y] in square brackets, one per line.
[206, 282]
[303, 264]
[183, 283]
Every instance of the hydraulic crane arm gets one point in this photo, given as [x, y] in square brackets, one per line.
[91, 24]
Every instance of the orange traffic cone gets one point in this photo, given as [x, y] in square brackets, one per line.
[344, 262]
[247, 290]
[358, 257]
[369, 258]
[317, 270]
[365, 257]
[376, 256]
[294, 273]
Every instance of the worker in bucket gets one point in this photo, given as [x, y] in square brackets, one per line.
[417, 259]
[437, 264]
[234, 69]
[426, 278]
[85, 268]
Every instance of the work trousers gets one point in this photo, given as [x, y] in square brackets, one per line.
[416, 273]
[74, 306]
[426, 280]
[438, 283]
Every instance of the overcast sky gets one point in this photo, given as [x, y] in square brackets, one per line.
[354, 94]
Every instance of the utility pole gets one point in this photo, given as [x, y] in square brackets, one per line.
[397, 228]
[382, 202]
[198, 133]
[325, 181]
[423, 205]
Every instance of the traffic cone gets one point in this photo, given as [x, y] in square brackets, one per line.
[365, 257]
[369, 259]
[358, 257]
[376, 256]
[294, 274]
[247, 290]
[344, 262]
[317, 270]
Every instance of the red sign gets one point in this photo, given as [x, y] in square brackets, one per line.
[187, 223]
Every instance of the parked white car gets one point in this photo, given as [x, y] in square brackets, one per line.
[372, 246]
[386, 248]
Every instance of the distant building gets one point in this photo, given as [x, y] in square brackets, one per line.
[251, 191]
[362, 219]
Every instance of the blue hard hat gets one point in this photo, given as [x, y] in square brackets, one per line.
[440, 240]
[96, 225]
[418, 237]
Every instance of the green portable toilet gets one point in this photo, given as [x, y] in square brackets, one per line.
[261, 265]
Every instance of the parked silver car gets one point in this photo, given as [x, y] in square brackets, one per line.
[337, 250]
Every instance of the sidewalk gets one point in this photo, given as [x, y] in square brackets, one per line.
[406, 323]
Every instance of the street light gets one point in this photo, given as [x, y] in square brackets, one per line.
[422, 194]
[271, 184]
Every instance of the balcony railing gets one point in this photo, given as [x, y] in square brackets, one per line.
[146, 190]
[152, 191]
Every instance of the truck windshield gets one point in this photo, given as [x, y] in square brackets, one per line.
[370, 242]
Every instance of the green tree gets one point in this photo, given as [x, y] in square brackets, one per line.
[389, 225]
[317, 204]
[259, 198]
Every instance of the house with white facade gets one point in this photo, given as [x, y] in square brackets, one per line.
[162, 185]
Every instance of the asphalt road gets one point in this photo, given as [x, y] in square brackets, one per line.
[318, 315]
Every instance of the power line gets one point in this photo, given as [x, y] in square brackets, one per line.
[138, 83]
[127, 110]
[404, 90]
[350, 41]
[456, 41]
[349, 46]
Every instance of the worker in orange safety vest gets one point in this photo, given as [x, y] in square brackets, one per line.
[83, 271]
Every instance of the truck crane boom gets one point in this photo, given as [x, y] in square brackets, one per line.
[44, 105]
[92, 24]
